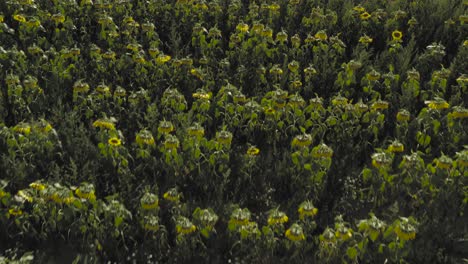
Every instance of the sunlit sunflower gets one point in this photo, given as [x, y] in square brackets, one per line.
[303, 140]
[397, 35]
[365, 39]
[277, 217]
[149, 201]
[253, 151]
[365, 16]
[295, 233]
[396, 147]
[19, 18]
[405, 230]
[145, 138]
[15, 211]
[114, 142]
[172, 195]
[86, 191]
[106, 123]
[343, 233]
[437, 104]
[321, 35]
[184, 226]
[307, 209]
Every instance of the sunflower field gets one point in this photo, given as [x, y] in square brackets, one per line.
[233, 131]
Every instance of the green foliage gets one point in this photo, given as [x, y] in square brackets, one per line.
[233, 131]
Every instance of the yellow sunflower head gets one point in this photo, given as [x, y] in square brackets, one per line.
[114, 141]
[397, 35]
[365, 16]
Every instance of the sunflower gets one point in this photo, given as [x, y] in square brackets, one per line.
[253, 151]
[267, 32]
[343, 233]
[207, 217]
[365, 16]
[171, 142]
[303, 140]
[462, 80]
[381, 159]
[224, 137]
[149, 201]
[58, 18]
[437, 104]
[361, 107]
[397, 35]
[462, 159]
[316, 103]
[161, 59]
[277, 217]
[33, 22]
[15, 211]
[373, 75]
[307, 209]
[276, 70]
[239, 217]
[396, 147]
[282, 37]
[23, 128]
[196, 130]
[80, 87]
[86, 191]
[310, 71]
[120, 92]
[239, 98]
[444, 162]
[114, 142]
[403, 115]
[172, 195]
[295, 233]
[339, 101]
[151, 223]
[322, 151]
[146, 27]
[34, 49]
[103, 89]
[296, 101]
[20, 18]
[184, 226]
[405, 230]
[105, 123]
[359, 9]
[200, 94]
[321, 35]
[24, 194]
[365, 39]
[380, 105]
[110, 55]
[256, 28]
[37, 186]
[165, 127]
[242, 27]
[153, 51]
[145, 138]
[459, 112]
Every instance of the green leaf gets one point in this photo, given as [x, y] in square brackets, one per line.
[352, 252]
[118, 221]
[205, 232]
[366, 174]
